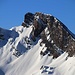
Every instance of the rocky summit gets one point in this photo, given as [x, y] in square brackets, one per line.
[42, 45]
[54, 34]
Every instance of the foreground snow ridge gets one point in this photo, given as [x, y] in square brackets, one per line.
[25, 52]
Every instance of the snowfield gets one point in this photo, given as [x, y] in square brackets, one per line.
[21, 56]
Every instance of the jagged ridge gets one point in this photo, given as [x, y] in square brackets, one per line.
[56, 36]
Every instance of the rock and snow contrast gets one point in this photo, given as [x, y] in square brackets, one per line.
[42, 45]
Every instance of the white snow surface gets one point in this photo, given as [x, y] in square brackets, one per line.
[30, 62]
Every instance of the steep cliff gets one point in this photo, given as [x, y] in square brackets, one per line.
[54, 34]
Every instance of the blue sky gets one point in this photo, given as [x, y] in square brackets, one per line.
[12, 11]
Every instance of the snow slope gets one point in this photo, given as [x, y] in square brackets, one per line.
[30, 62]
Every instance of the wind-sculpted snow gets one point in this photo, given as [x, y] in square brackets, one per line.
[41, 46]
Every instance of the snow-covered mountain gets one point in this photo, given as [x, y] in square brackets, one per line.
[43, 45]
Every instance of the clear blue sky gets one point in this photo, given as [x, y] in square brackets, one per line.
[12, 11]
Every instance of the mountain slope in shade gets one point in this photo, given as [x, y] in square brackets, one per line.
[41, 46]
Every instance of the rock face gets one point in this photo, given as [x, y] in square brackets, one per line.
[54, 34]
[1, 35]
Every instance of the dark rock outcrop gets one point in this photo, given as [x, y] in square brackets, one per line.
[1, 35]
[28, 18]
[56, 36]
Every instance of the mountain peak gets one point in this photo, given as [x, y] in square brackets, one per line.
[56, 36]
[43, 45]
